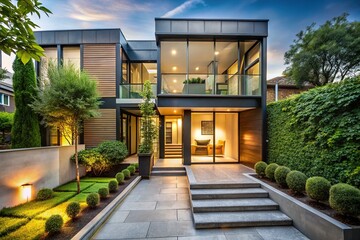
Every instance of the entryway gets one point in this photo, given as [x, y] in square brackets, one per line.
[173, 137]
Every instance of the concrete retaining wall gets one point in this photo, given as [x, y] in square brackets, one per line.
[44, 167]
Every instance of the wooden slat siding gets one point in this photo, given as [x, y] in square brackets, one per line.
[251, 127]
[100, 62]
[97, 130]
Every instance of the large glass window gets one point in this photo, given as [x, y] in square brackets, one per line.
[124, 67]
[4, 99]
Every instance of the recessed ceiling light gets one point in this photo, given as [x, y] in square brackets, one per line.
[174, 80]
[216, 53]
[174, 68]
[174, 91]
[173, 52]
[174, 111]
[228, 110]
[197, 68]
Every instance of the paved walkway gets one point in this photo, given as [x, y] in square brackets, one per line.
[159, 208]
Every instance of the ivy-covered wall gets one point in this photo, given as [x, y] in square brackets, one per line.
[318, 132]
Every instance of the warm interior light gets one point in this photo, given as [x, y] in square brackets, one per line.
[174, 111]
[216, 53]
[228, 110]
[174, 80]
[197, 68]
[26, 191]
[174, 68]
[174, 91]
[173, 52]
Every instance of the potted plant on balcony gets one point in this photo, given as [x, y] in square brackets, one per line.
[148, 131]
[194, 86]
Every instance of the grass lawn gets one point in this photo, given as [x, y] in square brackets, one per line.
[72, 187]
[8, 224]
[59, 209]
[97, 179]
[33, 208]
[32, 230]
[94, 188]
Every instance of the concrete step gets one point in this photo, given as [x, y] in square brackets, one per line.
[168, 168]
[234, 205]
[173, 156]
[197, 194]
[173, 149]
[173, 146]
[169, 173]
[241, 219]
[224, 185]
[173, 152]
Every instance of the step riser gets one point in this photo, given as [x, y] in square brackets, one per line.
[234, 209]
[243, 224]
[168, 169]
[174, 156]
[229, 196]
[225, 186]
[168, 174]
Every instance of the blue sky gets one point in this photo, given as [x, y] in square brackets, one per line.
[136, 18]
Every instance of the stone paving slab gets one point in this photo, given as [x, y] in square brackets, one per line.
[151, 216]
[123, 231]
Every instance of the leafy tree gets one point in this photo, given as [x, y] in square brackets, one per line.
[6, 122]
[148, 127]
[323, 55]
[26, 129]
[69, 98]
[3, 73]
[16, 34]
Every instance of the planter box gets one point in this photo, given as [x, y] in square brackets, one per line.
[194, 88]
[311, 222]
[146, 163]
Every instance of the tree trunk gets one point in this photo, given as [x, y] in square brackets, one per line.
[77, 161]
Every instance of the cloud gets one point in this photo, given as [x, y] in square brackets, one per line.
[106, 10]
[184, 6]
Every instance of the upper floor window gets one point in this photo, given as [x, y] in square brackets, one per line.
[4, 99]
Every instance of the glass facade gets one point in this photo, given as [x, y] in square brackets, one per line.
[220, 67]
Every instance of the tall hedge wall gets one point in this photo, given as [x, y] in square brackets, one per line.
[318, 132]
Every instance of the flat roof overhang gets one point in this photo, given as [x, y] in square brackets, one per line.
[201, 101]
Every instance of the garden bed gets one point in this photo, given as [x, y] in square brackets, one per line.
[314, 223]
[27, 221]
[323, 207]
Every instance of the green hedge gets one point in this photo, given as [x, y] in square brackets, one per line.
[318, 132]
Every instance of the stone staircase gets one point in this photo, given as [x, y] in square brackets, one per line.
[224, 205]
[168, 171]
[173, 151]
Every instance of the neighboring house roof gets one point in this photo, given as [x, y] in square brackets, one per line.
[285, 82]
[7, 88]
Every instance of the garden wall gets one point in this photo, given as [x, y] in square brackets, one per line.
[44, 167]
[318, 132]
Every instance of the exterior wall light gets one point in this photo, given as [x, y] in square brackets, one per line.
[26, 191]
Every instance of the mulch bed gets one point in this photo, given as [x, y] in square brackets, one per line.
[71, 228]
[320, 206]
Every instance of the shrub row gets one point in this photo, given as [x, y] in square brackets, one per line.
[342, 197]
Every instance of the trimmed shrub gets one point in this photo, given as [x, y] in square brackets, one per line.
[73, 209]
[93, 160]
[92, 200]
[44, 194]
[54, 223]
[120, 177]
[280, 175]
[270, 171]
[113, 186]
[317, 188]
[260, 168]
[296, 181]
[103, 192]
[136, 165]
[345, 199]
[114, 151]
[131, 169]
[126, 173]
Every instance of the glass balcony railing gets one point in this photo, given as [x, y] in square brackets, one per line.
[133, 90]
[202, 84]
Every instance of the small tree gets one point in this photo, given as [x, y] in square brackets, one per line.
[26, 129]
[148, 127]
[6, 122]
[323, 55]
[69, 98]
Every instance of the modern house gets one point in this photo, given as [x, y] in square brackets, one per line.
[209, 84]
[7, 101]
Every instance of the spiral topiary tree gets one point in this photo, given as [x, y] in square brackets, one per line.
[26, 128]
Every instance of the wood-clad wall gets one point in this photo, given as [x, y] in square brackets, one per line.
[250, 136]
[97, 130]
[100, 62]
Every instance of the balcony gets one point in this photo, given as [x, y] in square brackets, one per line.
[133, 90]
[224, 85]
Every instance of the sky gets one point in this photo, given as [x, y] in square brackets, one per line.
[136, 18]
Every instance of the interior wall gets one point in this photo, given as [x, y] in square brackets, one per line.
[196, 127]
[176, 124]
[133, 134]
[250, 136]
[231, 130]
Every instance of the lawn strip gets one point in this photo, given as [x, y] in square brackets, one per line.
[32, 230]
[9, 224]
[72, 187]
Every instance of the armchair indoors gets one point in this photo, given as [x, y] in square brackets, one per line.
[219, 148]
[200, 147]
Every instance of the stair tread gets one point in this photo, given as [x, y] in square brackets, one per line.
[224, 185]
[233, 202]
[227, 191]
[242, 217]
[170, 171]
